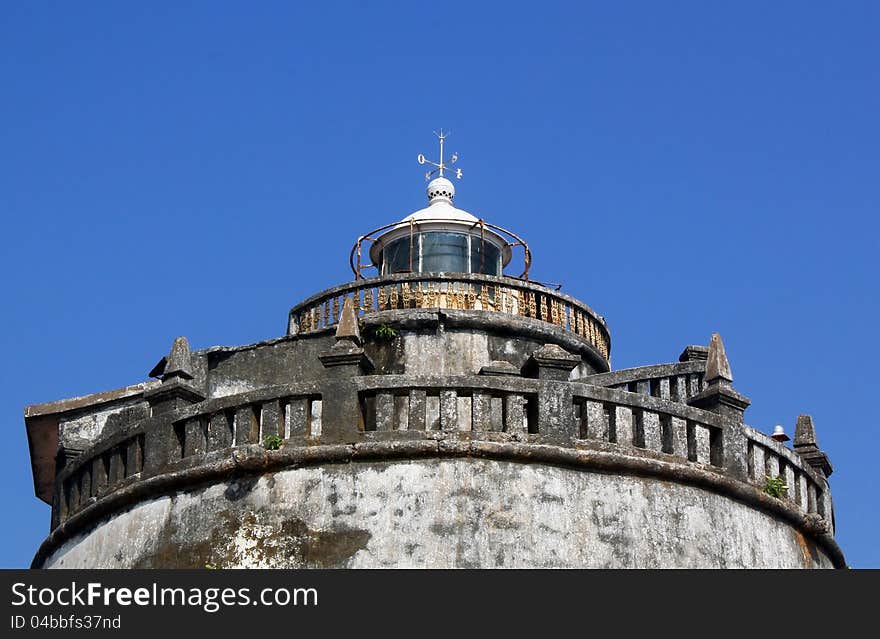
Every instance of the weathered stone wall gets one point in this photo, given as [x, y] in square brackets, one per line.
[442, 513]
[458, 438]
[82, 428]
[426, 343]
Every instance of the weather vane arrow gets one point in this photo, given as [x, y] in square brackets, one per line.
[441, 166]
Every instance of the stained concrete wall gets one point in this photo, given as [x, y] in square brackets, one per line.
[442, 513]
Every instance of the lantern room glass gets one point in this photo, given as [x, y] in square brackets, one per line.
[441, 252]
[396, 256]
[444, 253]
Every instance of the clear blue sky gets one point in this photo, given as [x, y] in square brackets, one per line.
[197, 168]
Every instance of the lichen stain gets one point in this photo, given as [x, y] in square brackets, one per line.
[806, 551]
[239, 488]
[257, 540]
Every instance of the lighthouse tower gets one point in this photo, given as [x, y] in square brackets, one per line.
[439, 410]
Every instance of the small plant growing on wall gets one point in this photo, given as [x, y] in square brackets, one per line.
[385, 333]
[775, 486]
[272, 442]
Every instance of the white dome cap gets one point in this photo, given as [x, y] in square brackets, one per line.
[440, 194]
[440, 188]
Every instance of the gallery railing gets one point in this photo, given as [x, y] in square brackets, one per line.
[563, 415]
[677, 382]
[454, 291]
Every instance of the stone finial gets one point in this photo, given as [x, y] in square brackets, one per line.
[347, 356]
[807, 446]
[718, 396]
[176, 390]
[717, 366]
[805, 432]
[348, 327]
[179, 361]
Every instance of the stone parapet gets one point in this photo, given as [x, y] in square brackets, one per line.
[469, 292]
[677, 382]
[405, 415]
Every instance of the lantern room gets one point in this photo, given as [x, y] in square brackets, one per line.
[439, 238]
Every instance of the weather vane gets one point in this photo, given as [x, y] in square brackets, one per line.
[441, 166]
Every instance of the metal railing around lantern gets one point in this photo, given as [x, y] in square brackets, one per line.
[511, 241]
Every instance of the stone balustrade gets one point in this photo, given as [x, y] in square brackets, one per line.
[526, 412]
[454, 291]
[806, 488]
[676, 382]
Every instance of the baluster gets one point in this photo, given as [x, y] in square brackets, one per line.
[417, 408]
[133, 456]
[195, 437]
[73, 495]
[802, 492]
[514, 414]
[480, 412]
[693, 385]
[757, 462]
[596, 421]
[823, 502]
[680, 394]
[772, 467]
[811, 497]
[85, 483]
[99, 475]
[698, 440]
[271, 422]
[622, 428]
[663, 388]
[679, 438]
[651, 431]
[117, 465]
[448, 410]
[790, 482]
[220, 430]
